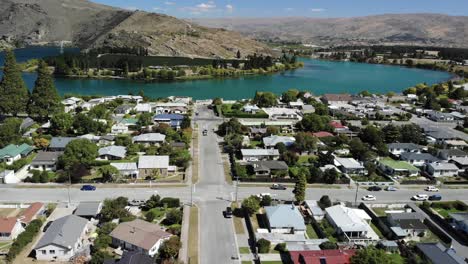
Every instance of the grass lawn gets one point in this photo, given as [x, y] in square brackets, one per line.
[255, 143]
[158, 212]
[174, 178]
[238, 221]
[396, 259]
[5, 246]
[445, 212]
[376, 230]
[244, 250]
[311, 232]
[193, 236]
[272, 262]
[246, 262]
[304, 159]
[379, 211]
[227, 169]
[429, 237]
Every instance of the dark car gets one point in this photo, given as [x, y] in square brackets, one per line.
[47, 226]
[435, 197]
[278, 187]
[205, 132]
[374, 188]
[228, 212]
[88, 188]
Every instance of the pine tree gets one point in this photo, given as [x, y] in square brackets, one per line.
[45, 100]
[13, 92]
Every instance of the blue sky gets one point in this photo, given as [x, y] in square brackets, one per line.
[310, 8]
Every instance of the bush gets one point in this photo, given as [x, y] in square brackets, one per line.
[24, 239]
[173, 216]
[328, 245]
[170, 202]
[281, 247]
[263, 246]
[251, 205]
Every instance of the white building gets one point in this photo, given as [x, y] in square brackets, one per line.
[441, 169]
[349, 166]
[259, 154]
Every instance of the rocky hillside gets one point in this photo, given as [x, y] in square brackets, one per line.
[405, 29]
[90, 25]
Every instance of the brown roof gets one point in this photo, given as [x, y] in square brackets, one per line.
[7, 224]
[337, 97]
[27, 215]
[139, 233]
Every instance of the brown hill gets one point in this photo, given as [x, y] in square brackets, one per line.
[407, 29]
[90, 25]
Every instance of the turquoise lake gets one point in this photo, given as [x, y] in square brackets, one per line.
[317, 77]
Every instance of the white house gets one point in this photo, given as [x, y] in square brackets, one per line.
[285, 219]
[65, 238]
[259, 154]
[349, 165]
[399, 148]
[441, 169]
[143, 108]
[139, 235]
[119, 128]
[10, 228]
[248, 108]
[276, 113]
[150, 139]
[271, 141]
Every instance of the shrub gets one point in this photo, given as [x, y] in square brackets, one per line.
[173, 216]
[24, 239]
[251, 205]
[328, 245]
[281, 247]
[170, 202]
[263, 245]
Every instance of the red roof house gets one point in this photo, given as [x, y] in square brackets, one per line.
[323, 134]
[31, 212]
[332, 256]
[337, 125]
[10, 228]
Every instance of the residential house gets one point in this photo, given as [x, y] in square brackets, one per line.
[328, 256]
[349, 166]
[442, 169]
[397, 167]
[106, 140]
[10, 228]
[27, 123]
[59, 143]
[271, 141]
[139, 235]
[64, 238]
[418, 159]
[399, 148]
[296, 105]
[323, 134]
[259, 154]
[8, 177]
[131, 257]
[459, 221]
[171, 108]
[307, 109]
[436, 253]
[440, 117]
[449, 154]
[71, 103]
[439, 136]
[336, 98]
[123, 109]
[173, 120]
[351, 223]
[127, 169]
[45, 161]
[285, 219]
[256, 132]
[150, 139]
[314, 210]
[253, 109]
[91, 137]
[112, 153]
[12, 153]
[119, 128]
[270, 168]
[276, 113]
[462, 163]
[285, 126]
[143, 108]
[153, 166]
[455, 144]
[31, 213]
[409, 223]
[88, 210]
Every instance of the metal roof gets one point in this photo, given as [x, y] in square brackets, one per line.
[153, 162]
[88, 209]
[116, 151]
[64, 232]
[285, 216]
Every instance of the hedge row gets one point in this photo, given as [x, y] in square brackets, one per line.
[24, 239]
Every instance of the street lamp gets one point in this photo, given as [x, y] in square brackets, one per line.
[355, 197]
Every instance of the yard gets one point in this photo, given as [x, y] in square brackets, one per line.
[235, 110]
[311, 234]
[445, 208]
[244, 250]
[380, 211]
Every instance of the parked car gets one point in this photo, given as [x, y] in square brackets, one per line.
[47, 226]
[391, 189]
[277, 186]
[205, 132]
[374, 188]
[228, 212]
[435, 197]
[263, 194]
[136, 202]
[369, 198]
[420, 197]
[431, 189]
[88, 187]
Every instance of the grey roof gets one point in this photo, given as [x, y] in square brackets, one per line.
[437, 253]
[48, 158]
[418, 156]
[412, 215]
[388, 243]
[411, 146]
[349, 163]
[273, 140]
[124, 166]
[285, 216]
[443, 166]
[440, 134]
[150, 137]
[270, 165]
[131, 257]
[411, 224]
[116, 151]
[153, 162]
[27, 123]
[107, 137]
[60, 142]
[260, 152]
[398, 231]
[64, 232]
[459, 216]
[453, 152]
[88, 209]
[259, 130]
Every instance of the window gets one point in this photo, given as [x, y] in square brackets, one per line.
[51, 251]
[44, 252]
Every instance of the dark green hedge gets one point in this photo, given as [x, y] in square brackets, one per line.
[24, 239]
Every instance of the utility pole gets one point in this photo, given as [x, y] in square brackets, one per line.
[355, 197]
[237, 187]
[69, 186]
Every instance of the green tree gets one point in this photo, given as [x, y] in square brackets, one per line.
[186, 122]
[372, 135]
[411, 133]
[289, 96]
[289, 157]
[145, 119]
[44, 100]
[61, 123]
[300, 188]
[233, 126]
[79, 151]
[150, 216]
[251, 205]
[263, 246]
[115, 209]
[173, 216]
[328, 245]
[330, 176]
[14, 95]
[325, 202]
[305, 142]
[170, 248]
[265, 99]
[10, 132]
[371, 255]
[391, 133]
[84, 124]
[314, 123]
[108, 172]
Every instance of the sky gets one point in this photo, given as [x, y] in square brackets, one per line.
[282, 8]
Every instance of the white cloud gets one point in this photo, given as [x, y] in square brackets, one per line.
[317, 10]
[206, 6]
[132, 8]
[169, 3]
[289, 9]
[201, 8]
[229, 8]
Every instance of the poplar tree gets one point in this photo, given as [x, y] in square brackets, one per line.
[13, 92]
[45, 100]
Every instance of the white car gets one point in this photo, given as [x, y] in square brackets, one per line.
[369, 198]
[431, 189]
[420, 197]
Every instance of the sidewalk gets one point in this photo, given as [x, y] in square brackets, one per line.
[184, 235]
